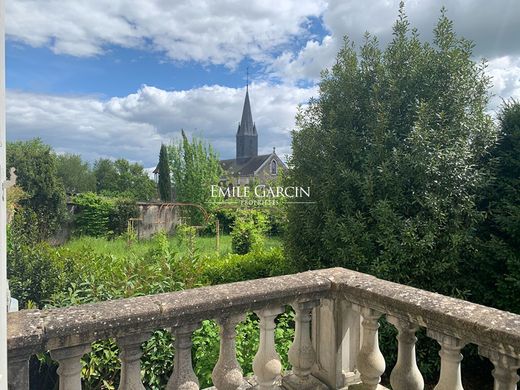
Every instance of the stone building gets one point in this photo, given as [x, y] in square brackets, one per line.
[248, 166]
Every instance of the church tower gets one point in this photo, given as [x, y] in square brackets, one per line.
[247, 137]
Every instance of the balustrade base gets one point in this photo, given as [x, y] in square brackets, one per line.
[288, 382]
[292, 382]
[249, 383]
[361, 386]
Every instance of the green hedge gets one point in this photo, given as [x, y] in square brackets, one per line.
[254, 265]
[101, 216]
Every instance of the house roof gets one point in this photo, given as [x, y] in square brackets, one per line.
[248, 166]
[244, 166]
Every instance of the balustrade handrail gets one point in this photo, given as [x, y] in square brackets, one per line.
[67, 332]
[42, 330]
[478, 324]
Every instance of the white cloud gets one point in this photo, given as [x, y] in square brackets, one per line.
[308, 63]
[134, 126]
[217, 32]
[505, 73]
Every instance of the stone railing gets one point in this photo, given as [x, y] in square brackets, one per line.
[335, 344]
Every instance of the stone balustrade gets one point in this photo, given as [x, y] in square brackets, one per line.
[335, 344]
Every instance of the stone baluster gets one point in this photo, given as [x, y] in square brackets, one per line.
[227, 374]
[371, 363]
[505, 371]
[69, 370]
[130, 355]
[406, 374]
[301, 353]
[18, 374]
[183, 376]
[266, 364]
[450, 377]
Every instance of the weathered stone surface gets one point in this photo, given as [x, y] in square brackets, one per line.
[40, 330]
[25, 331]
[473, 323]
[30, 331]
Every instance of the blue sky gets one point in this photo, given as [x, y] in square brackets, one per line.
[118, 72]
[116, 78]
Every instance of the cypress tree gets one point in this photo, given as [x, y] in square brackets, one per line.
[165, 186]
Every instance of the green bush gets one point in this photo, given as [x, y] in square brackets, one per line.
[496, 270]
[101, 216]
[254, 265]
[123, 209]
[34, 270]
[37, 176]
[248, 231]
[93, 214]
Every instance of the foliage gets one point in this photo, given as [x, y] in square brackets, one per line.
[122, 210]
[253, 265]
[34, 271]
[226, 217]
[125, 179]
[37, 176]
[399, 134]
[15, 195]
[186, 236]
[194, 167]
[93, 214]
[248, 231]
[75, 174]
[392, 150]
[165, 184]
[498, 261]
[100, 216]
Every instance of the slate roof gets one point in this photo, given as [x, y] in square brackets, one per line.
[244, 166]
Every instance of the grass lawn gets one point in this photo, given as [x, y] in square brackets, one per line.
[120, 248]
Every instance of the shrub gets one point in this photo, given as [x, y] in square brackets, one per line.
[254, 265]
[37, 176]
[93, 214]
[393, 149]
[122, 210]
[35, 271]
[101, 216]
[248, 231]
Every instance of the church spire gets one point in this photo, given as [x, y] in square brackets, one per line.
[247, 137]
[247, 126]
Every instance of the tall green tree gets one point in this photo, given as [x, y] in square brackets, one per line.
[498, 263]
[37, 175]
[194, 166]
[123, 178]
[391, 149]
[75, 174]
[165, 184]
[106, 176]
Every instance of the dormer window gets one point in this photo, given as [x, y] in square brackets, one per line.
[274, 167]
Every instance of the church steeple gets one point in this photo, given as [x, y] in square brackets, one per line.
[247, 137]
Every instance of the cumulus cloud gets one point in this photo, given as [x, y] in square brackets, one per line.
[134, 126]
[493, 26]
[216, 32]
[505, 73]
